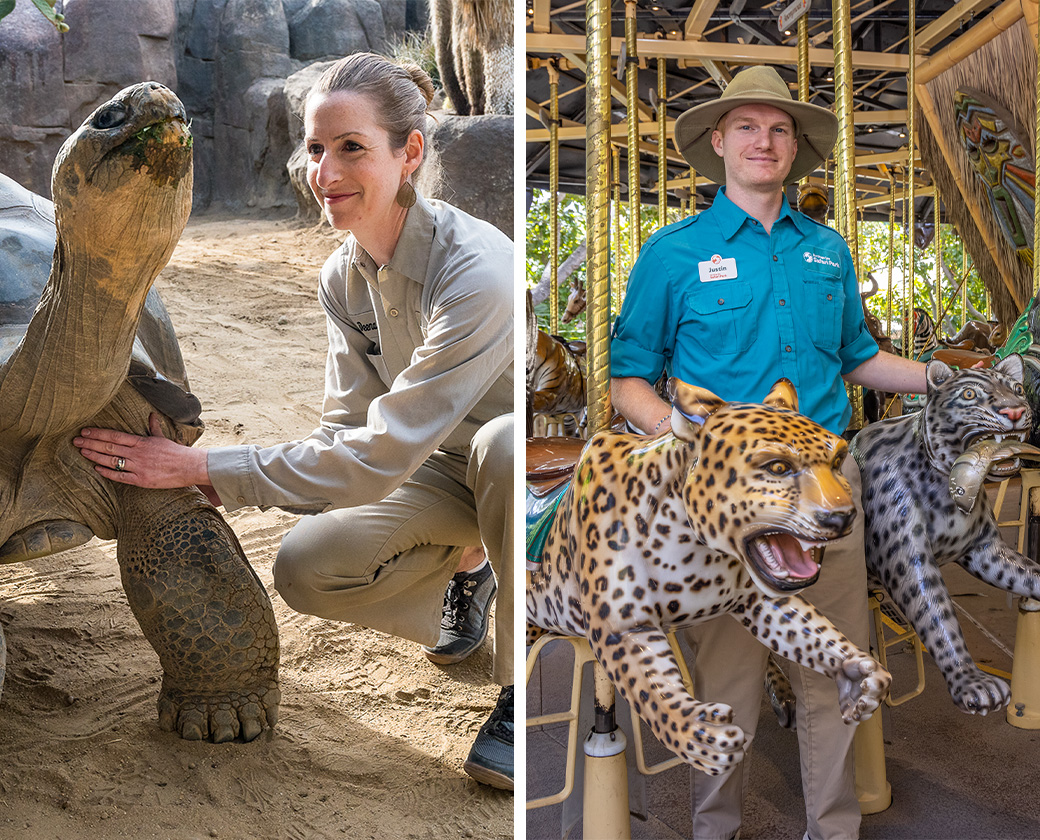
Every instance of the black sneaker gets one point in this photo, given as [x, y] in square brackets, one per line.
[464, 623]
[490, 759]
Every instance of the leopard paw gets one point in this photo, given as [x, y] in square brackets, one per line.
[978, 693]
[713, 743]
[862, 686]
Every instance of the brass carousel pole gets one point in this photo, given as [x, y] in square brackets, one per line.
[891, 250]
[606, 776]
[846, 158]
[1023, 711]
[554, 191]
[662, 140]
[615, 275]
[908, 340]
[964, 283]
[693, 192]
[872, 787]
[803, 67]
[632, 98]
[937, 299]
[911, 138]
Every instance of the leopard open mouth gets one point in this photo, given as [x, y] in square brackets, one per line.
[784, 561]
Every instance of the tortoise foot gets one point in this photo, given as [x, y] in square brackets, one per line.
[206, 614]
[219, 717]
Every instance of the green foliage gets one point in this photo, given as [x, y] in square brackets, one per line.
[571, 210]
[46, 8]
[873, 256]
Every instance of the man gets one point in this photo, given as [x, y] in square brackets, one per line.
[733, 299]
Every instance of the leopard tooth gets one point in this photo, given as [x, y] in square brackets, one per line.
[775, 566]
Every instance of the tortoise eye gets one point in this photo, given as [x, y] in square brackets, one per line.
[110, 117]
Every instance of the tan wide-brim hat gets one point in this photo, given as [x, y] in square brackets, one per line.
[816, 128]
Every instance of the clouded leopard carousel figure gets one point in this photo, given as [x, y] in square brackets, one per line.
[720, 515]
[921, 475]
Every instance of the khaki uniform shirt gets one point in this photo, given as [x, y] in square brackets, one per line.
[420, 357]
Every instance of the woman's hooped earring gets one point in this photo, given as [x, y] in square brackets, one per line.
[405, 195]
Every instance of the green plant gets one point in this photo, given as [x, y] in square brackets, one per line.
[46, 8]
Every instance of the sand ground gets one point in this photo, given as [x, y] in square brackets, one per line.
[371, 736]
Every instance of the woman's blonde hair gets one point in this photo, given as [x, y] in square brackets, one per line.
[400, 93]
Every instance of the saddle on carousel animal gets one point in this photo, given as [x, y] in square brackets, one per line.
[922, 476]
[723, 514]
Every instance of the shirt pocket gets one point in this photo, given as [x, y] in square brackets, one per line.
[719, 317]
[825, 302]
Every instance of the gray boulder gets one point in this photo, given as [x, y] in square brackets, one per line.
[249, 128]
[111, 44]
[51, 82]
[475, 157]
[321, 29]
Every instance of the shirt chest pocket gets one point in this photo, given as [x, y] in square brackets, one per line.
[718, 317]
[825, 302]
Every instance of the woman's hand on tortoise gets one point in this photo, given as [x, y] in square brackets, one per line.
[154, 461]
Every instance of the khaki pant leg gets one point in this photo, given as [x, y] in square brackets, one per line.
[384, 565]
[729, 667]
[824, 740]
[490, 477]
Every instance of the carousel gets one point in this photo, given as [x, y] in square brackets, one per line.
[931, 184]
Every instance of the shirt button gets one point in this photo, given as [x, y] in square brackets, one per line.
[830, 297]
[241, 500]
[787, 349]
[393, 313]
[721, 301]
[783, 302]
[775, 258]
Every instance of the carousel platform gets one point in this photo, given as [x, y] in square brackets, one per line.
[953, 775]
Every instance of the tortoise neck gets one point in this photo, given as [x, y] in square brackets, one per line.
[76, 350]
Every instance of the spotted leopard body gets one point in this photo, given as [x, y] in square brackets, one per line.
[651, 537]
[913, 526]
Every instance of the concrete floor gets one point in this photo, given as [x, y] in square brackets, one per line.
[953, 775]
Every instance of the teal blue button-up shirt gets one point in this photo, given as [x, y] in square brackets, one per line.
[717, 302]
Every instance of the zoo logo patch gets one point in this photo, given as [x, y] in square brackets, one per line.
[819, 260]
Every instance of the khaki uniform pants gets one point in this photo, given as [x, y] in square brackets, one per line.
[386, 565]
[824, 740]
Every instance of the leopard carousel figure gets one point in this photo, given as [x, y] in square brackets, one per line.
[723, 514]
[921, 479]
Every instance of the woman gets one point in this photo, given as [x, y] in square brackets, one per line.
[413, 459]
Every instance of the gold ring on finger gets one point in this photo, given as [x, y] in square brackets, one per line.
[120, 464]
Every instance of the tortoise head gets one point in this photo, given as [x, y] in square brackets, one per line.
[125, 174]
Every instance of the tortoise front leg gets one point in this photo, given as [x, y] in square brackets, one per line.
[204, 610]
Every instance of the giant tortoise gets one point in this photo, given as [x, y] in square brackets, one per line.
[84, 340]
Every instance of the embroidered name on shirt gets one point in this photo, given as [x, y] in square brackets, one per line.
[367, 327]
[717, 268]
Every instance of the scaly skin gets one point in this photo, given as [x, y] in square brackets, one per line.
[203, 609]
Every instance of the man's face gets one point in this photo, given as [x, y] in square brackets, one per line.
[758, 145]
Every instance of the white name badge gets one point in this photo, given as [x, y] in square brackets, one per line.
[718, 268]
